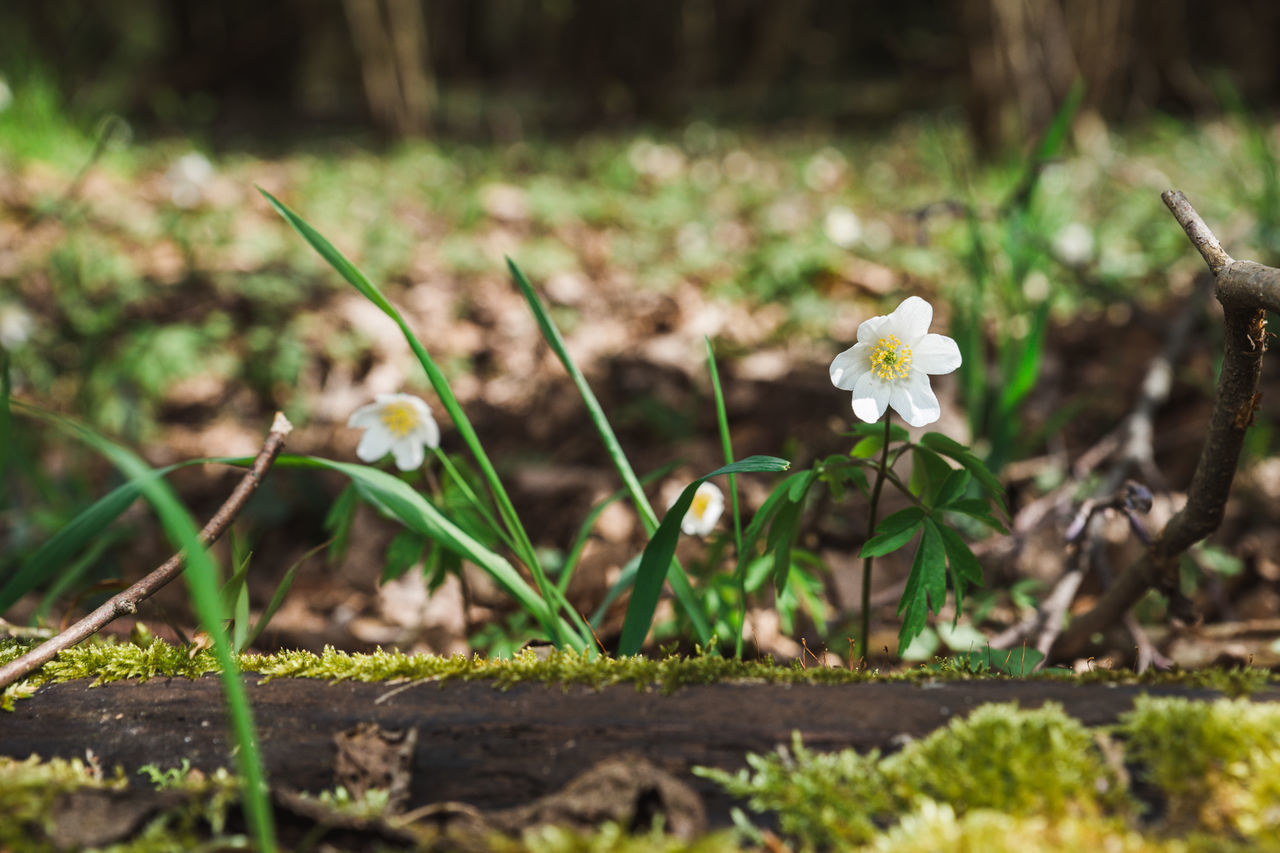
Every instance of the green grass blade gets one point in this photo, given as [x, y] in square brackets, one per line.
[439, 383]
[657, 564]
[722, 424]
[201, 574]
[679, 581]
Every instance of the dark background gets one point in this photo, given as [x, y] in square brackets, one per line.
[248, 69]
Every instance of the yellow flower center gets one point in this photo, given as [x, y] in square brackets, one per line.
[699, 506]
[891, 358]
[399, 418]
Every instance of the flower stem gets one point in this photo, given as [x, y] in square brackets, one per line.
[864, 629]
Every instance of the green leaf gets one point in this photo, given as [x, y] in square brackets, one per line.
[868, 447]
[979, 510]
[656, 562]
[952, 487]
[763, 516]
[337, 521]
[1026, 370]
[397, 499]
[782, 535]
[403, 551]
[928, 474]
[60, 548]
[966, 571]
[863, 429]
[893, 532]
[948, 446]
[926, 585]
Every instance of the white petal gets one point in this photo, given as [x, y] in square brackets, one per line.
[915, 401]
[936, 354]
[375, 444]
[849, 365]
[409, 453]
[911, 320]
[870, 398]
[366, 416]
[427, 432]
[869, 332]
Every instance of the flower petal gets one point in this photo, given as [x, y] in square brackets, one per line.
[915, 401]
[936, 354]
[911, 320]
[849, 365]
[870, 331]
[366, 416]
[374, 444]
[427, 432]
[409, 453]
[870, 397]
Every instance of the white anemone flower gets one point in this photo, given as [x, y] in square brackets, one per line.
[397, 423]
[704, 512]
[891, 363]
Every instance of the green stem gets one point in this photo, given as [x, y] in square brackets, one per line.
[864, 629]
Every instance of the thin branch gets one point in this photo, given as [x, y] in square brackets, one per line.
[1246, 290]
[1197, 232]
[126, 603]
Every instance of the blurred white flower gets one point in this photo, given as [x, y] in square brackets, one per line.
[704, 512]
[188, 178]
[891, 363]
[6, 95]
[842, 227]
[1074, 244]
[401, 424]
[16, 326]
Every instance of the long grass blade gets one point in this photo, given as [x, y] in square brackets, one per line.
[439, 383]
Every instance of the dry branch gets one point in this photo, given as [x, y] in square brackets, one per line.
[126, 602]
[1246, 290]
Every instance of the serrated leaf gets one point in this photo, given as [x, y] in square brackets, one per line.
[782, 535]
[931, 558]
[797, 490]
[965, 569]
[893, 532]
[979, 510]
[928, 473]
[952, 487]
[948, 446]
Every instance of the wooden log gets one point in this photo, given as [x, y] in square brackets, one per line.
[497, 749]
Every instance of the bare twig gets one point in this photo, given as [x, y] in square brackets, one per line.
[1246, 291]
[126, 603]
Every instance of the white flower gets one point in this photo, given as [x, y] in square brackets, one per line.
[398, 423]
[842, 227]
[891, 363]
[704, 512]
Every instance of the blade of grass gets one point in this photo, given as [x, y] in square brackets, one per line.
[657, 559]
[202, 579]
[679, 580]
[722, 423]
[357, 279]
[282, 588]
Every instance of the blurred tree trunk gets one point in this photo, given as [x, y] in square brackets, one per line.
[1025, 54]
[390, 37]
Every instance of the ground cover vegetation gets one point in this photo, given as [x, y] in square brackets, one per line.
[604, 326]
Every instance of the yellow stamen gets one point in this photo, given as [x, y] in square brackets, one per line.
[399, 418]
[891, 358]
[699, 506]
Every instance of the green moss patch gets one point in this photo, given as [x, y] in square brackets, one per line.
[1011, 779]
[106, 660]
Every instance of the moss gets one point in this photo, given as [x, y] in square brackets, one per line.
[1217, 763]
[1020, 762]
[106, 660]
[29, 788]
